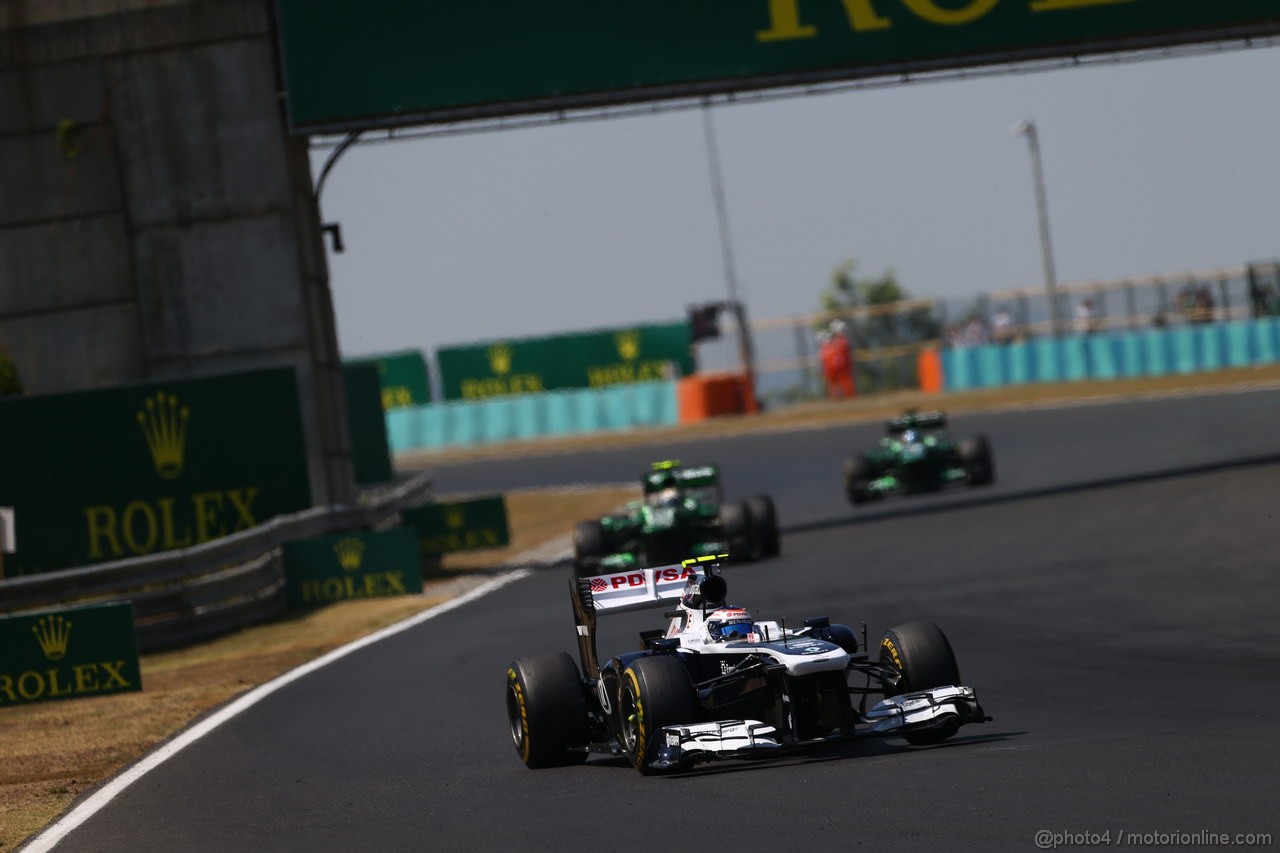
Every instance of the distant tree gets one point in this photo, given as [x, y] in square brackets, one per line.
[847, 293]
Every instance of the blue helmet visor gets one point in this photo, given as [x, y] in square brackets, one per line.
[736, 631]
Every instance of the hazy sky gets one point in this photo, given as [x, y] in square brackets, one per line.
[1151, 167]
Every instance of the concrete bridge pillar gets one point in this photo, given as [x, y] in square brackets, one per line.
[156, 219]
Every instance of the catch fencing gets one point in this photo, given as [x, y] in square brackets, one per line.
[788, 369]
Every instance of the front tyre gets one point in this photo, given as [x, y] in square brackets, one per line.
[547, 710]
[765, 517]
[979, 464]
[656, 692]
[589, 545]
[923, 657]
[858, 475]
[740, 532]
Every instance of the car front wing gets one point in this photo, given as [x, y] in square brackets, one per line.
[940, 708]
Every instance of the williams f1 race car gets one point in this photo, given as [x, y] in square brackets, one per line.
[716, 684]
[917, 455]
[683, 513]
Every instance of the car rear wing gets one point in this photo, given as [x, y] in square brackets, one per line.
[917, 420]
[663, 474]
[626, 590]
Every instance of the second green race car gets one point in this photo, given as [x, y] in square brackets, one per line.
[683, 513]
[917, 455]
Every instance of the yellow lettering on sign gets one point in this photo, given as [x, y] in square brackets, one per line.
[31, 692]
[113, 675]
[499, 386]
[396, 397]
[60, 684]
[102, 525]
[54, 692]
[207, 505]
[930, 11]
[241, 499]
[151, 528]
[166, 516]
[784, 20]
[86, 677]
[1056, 5]
[145, 527]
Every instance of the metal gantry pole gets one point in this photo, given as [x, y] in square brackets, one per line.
[746, 354]
[1028, 129]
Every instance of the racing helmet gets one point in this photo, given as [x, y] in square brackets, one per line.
[667, 497]
[730, 624]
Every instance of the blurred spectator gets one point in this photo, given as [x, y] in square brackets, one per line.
[975, 331]
[1086, 317]
[1002, 326]
[836, 355]
[1260, 297]
[1204, 305]
[1187, 302]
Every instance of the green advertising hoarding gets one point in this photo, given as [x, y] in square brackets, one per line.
[403, 376]
[379, 63]
[107, 475]
[72, 653]
[582, 360]
[359, 564]
[466, 525]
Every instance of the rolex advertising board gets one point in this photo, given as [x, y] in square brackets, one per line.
[68, 654]
[360, 564]
[467, 525]
[118, 473]
[582, 360]
[403, 376]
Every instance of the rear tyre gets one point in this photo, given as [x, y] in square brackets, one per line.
[547, 711]
[921, 654]
[979, 464]
[740, 532]
[766, 522]
[858, 475]
[589, 546]
[656, 692]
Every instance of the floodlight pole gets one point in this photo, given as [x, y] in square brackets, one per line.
[746, 354]
[1027, 128]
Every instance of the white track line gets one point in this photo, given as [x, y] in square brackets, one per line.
[99, 799]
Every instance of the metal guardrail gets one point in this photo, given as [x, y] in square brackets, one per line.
[185, 596]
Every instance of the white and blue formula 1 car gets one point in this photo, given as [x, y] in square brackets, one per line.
[716, 684]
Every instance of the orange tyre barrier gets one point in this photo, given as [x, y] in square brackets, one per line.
[929, 371]
[706, 395]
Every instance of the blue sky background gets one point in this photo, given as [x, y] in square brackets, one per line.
[1152, 167]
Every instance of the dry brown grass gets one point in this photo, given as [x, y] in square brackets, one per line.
[52, 752]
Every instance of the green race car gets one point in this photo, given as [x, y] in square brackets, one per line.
[683, 514]
[917, 455]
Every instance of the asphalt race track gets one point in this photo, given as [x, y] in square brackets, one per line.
[1112, 599]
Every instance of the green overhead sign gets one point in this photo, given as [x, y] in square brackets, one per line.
[379, 63]
[467, 525]
[123, 472]
[68, 654]
[582, 360]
